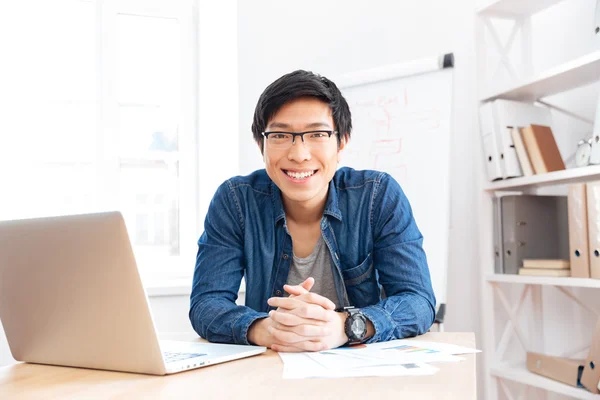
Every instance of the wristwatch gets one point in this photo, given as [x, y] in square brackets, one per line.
[356, 325]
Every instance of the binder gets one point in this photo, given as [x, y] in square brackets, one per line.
[512, 166]
[497, 236]
[507, 113]
[533, 227]
[565, 370]
[521, 152]
[490, 141]
[578, 231]
[593, 208]
[591, 369]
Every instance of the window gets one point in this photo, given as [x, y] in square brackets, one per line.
[102, 117]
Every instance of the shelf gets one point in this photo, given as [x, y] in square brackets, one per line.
[575, 73]
[545, 280]
[500, 8]
[567, 176]
[519, 373]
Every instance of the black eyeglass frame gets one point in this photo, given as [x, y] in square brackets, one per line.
[301, 134]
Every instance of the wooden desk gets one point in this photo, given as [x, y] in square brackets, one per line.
[257, 377]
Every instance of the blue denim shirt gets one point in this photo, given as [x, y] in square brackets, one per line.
[372, 237]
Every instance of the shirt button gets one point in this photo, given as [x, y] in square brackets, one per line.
[278, 292]
[285, 256]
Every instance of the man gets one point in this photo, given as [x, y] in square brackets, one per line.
[315, 244]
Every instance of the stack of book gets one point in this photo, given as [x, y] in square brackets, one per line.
[517, 140]
[539, 267]
[536, 150]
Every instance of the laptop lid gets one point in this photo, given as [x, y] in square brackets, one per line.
[71, 294]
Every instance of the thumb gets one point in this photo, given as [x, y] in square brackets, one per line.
[297, 290]
[308, 283]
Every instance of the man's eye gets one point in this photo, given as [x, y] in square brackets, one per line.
[279, 136]
[318, 135]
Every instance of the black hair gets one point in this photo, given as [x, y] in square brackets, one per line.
[298, 84]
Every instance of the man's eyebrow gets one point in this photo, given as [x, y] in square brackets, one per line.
[318, 125]
[278, 125]
[312, 125]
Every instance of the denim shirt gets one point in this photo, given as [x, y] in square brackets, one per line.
[371, 235]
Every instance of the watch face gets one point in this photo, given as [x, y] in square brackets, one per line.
[582, 155]
[358, 326]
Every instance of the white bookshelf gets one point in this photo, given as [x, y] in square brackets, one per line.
[570, 75]
[568, 176]
[495, 288]
[500, 8]
[545, 280]
[520, 373]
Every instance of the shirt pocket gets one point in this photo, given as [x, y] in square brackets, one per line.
[361, 283]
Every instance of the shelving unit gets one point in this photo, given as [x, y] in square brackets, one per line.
[568, 176]
[575, 73]
[520, 374]
[514, 7]
[529, 87]
[544, 280]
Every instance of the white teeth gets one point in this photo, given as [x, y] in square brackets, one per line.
[300, 175]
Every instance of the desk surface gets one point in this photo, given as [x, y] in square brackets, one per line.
[257, 377]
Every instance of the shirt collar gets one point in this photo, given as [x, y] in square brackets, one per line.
[331, 204]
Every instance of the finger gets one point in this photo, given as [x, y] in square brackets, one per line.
[301, 309]
[308, 283]
[317, 299]
[299, 347]
[305, 330]
[310, 298]
[311, 332]
[285, 337]
[286, 318]
[304, 287]
[295, 290]
[298, 334]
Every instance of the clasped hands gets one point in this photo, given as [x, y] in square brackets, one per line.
[304, 321]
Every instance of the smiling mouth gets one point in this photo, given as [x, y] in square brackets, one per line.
[300, 175]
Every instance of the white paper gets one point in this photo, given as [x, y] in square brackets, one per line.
[348, 359]
[394, 358]
[302, 366]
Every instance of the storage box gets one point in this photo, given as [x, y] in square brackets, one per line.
[591, 370]
[560, 369]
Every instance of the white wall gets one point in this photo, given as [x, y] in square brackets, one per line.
[336, 37]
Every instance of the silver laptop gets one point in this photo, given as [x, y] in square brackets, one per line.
[71, 294]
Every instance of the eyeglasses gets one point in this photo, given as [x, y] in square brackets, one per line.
[285, 140]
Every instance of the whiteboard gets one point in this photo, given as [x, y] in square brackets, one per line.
[403, 126]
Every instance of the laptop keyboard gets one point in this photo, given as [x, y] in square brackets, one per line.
[172, 356]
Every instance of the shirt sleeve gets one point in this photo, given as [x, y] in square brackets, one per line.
[214, 315]
[401, 264]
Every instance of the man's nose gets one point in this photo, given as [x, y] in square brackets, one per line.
[299, 151]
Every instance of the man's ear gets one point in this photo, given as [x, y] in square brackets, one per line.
[341, 146]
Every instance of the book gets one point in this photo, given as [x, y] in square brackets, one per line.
[546, 264]
[542, 149]
[521, 152]
[544, 272]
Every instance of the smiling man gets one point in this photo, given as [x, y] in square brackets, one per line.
[330, 256]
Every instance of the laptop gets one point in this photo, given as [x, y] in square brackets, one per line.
[71, 295]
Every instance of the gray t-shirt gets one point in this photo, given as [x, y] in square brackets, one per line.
[318, 265]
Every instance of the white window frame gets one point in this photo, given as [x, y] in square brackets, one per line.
[168, 268]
